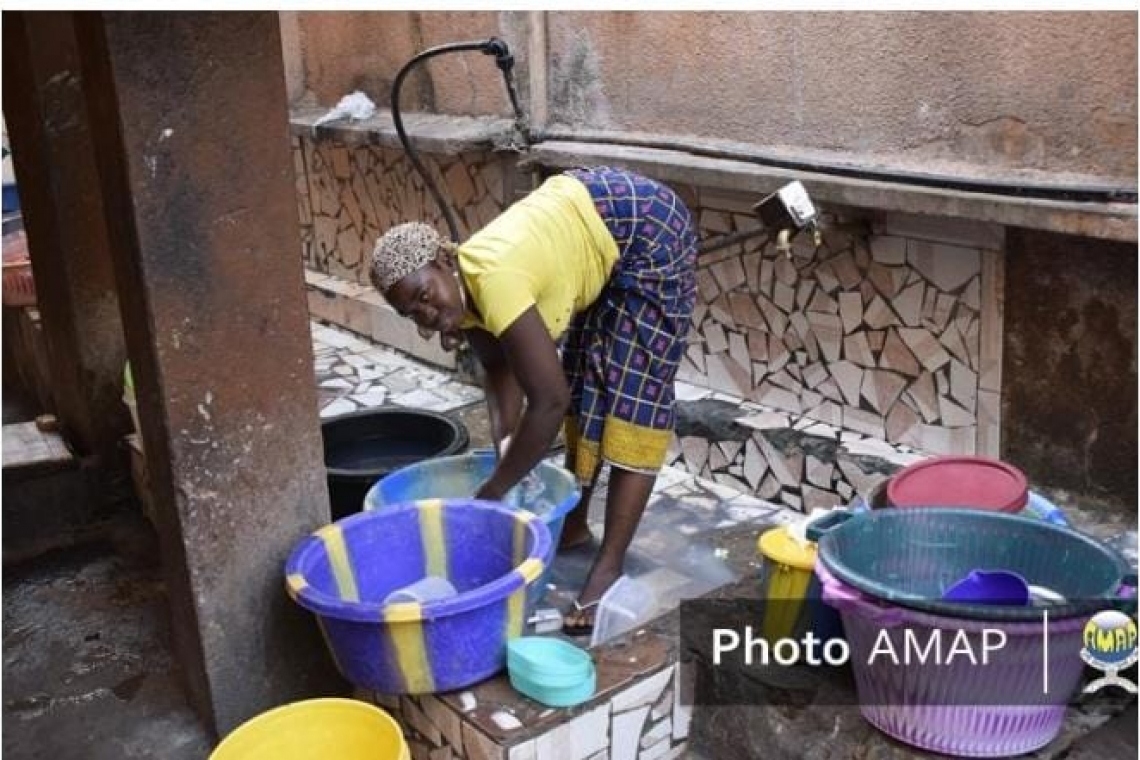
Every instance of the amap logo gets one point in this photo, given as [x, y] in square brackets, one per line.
[1111, 646]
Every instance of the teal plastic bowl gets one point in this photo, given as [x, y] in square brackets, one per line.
[549, 656]
[566, 696]
[910, 557]
[551, 671]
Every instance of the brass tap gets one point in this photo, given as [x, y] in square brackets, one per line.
[784, 242]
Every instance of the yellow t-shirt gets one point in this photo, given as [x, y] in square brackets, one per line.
[550, 250]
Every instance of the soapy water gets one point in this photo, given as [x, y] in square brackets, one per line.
[460, 477]
[528, 495]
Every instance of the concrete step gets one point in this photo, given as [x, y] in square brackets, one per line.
[53, 499]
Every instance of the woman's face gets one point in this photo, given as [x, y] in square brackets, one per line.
[429, 297]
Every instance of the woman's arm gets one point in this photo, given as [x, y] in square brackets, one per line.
[503, 394]
[531, 357]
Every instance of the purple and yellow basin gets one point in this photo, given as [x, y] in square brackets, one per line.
[492, 555]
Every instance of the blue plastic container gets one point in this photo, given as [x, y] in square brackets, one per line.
[548, 491]
[1043, 509]
[11, 198]
[344, 571]
[910, 557]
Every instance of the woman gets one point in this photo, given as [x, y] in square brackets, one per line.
[604, 259]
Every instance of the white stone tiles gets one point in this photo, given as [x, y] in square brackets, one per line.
[576, 739]
[349, 194]
[689, 392]
[627, 733]
[858, 322]
[794, 461]
[671, 476]
[644, 693]
[354, 374]
[892, 336]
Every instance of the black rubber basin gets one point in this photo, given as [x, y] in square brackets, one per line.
[364, 446]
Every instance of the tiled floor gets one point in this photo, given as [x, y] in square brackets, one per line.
[26, 444]
[674, 552]
[355, 374]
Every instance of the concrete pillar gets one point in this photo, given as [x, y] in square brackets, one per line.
[191, 130]
[67, 233]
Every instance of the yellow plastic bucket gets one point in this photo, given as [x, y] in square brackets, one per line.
[342, 728]
[785, 578]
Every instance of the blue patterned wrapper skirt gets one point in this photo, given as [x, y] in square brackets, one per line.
[621, 354]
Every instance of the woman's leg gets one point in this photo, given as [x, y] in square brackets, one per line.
[629, 492]
[575, 528]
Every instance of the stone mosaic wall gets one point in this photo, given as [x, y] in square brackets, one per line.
[646, 721]
[890, 330]
[348, 195]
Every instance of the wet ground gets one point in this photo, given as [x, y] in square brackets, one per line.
[87, 666]
[88, 672]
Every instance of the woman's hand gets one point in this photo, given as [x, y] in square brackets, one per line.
[490, 491]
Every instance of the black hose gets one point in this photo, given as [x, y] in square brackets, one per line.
[724, 241]
[1039, 190]
[505, 62]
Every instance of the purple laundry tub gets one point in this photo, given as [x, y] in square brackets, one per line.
[995, 710]
[345, 572]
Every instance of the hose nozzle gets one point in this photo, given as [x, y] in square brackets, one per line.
[503, 57]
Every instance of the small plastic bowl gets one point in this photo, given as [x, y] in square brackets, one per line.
[548, 656]
[555, 696]
[999, 587]
[551, 671]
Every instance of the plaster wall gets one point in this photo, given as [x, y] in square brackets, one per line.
[1005, 94]
[339, 52]
[992, 94]
[1069, 390]
[1046, 91]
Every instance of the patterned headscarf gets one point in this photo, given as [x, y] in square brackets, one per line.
[404, 249]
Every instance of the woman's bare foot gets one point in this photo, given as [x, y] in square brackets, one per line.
[579, 621]
[574, 536]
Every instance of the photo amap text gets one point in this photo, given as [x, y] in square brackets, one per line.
[937, 647]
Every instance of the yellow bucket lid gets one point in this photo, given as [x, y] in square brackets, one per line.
[777, 545]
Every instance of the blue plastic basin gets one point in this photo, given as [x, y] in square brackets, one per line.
[548, 491]
[910, 557]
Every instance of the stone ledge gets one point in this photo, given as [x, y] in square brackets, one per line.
[637, 712]
[360, 309]
[1113, 221]
[787, 459]
[430, 132]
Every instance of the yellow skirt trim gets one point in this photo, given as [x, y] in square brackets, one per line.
[623, 444]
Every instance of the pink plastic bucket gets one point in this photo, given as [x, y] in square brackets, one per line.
[931, 706]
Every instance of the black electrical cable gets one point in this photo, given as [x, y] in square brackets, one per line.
[1021, 189]
[503, 59]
